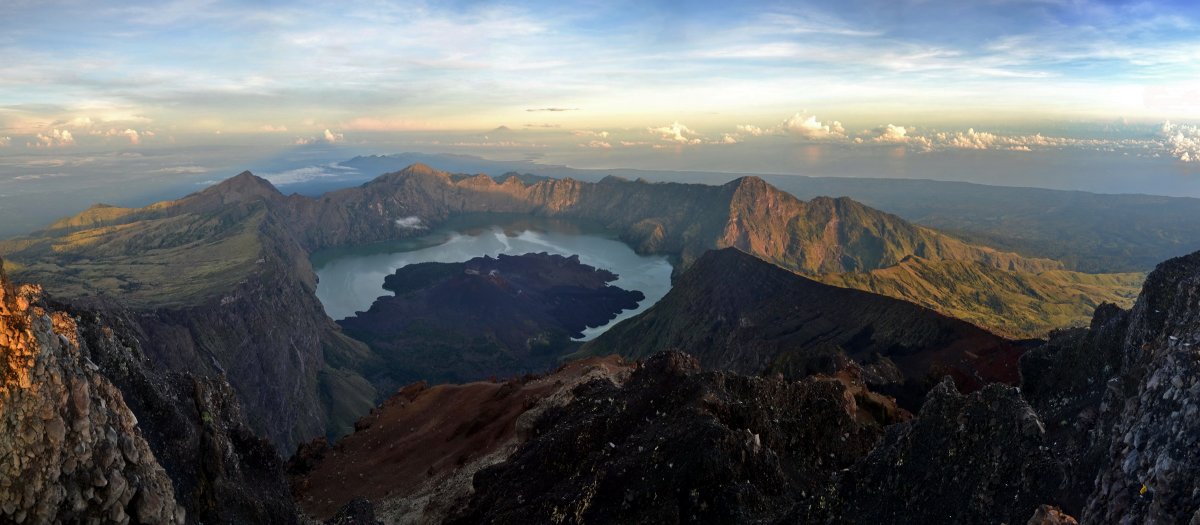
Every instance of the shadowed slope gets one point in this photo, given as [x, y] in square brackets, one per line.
[736, 312]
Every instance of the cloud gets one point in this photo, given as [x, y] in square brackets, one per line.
[555, 110]
[274, 129]
[677, 132]
[308, 173]
[1182, 140]
[752, 130]
[55, 139]
[597, 144]
[532, 125]
[133, 135]
[892, 134]
[972, 139]
[5, 142]
[328, 137]
[808, 127]
[411, 222]
[586, 133]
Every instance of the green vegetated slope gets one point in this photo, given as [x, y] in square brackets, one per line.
[1088, 232]
[1015, 304]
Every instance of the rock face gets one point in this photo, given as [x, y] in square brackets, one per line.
[979, 458]
[678, 444]
[70, 449]
[1152, 472]
[1118, 397]
[457, 322]
[736, 312]
[190, 427]
[432, 441]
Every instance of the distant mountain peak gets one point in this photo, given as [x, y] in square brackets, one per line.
[420, 168]
[246, 184]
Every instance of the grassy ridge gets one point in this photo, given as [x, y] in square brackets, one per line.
[1015, 304]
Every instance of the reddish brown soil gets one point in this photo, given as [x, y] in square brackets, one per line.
[421, 433]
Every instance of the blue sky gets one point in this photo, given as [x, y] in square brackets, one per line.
[926, 75]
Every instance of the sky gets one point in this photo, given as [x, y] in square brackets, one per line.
[197, 89]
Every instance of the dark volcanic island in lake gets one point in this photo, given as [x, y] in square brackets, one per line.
[454, 322]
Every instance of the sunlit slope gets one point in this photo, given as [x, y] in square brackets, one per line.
[1016, 304]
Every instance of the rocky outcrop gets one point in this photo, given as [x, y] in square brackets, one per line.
[978, 458]
[1051, 515]
[1152, 470]
[1116, 398]
[486, 317]
[677, 444]
[739, 313]
[432, 441]
[70, 449]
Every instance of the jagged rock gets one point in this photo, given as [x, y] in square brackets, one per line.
[222, 471]
[1050, 515]
[978, 458]
[677, 444]
[60, 427]
[1152, 469]
[359, 511]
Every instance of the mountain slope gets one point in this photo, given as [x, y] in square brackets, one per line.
[221, 289]
[1016, 304]
[733, 311]
[825, 235]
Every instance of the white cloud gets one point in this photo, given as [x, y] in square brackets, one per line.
[586, 133]
[410, 223]
[752, 130]
[1182, 140]
[307, 173]
[328, 137]
[5, 142]
[54, 139]
[274, 129]
[891, 133]
[597, 144]
[808, 127]
[971, 139]
[133, 136]
[677, 132]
